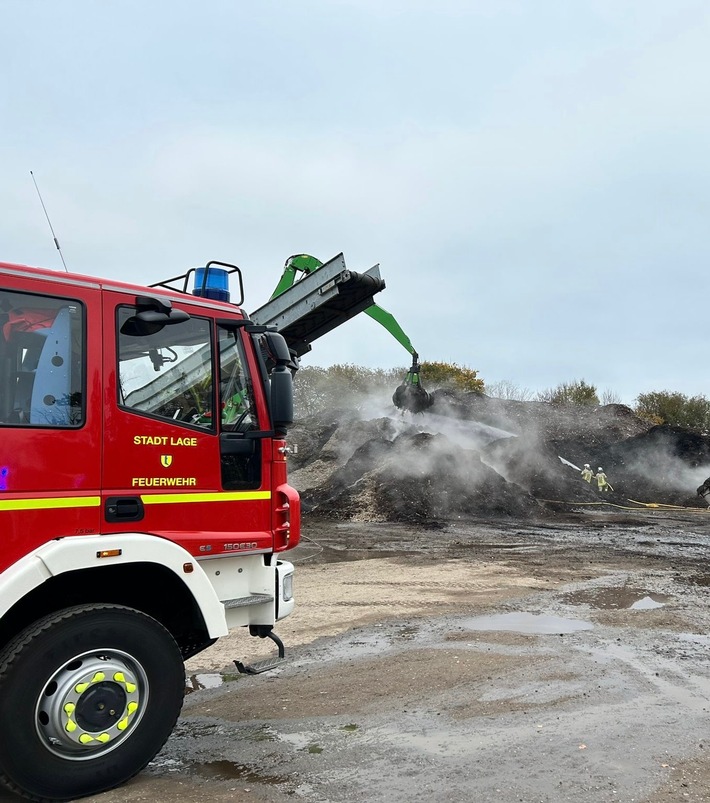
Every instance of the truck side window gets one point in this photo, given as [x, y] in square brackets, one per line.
[41, 360]
[235, 390]
[166, 373]
[242, 469]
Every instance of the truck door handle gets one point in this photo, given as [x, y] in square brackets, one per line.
[124, 508]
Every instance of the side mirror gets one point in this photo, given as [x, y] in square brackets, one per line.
[281, 399]
[277, 348]
[149, 322]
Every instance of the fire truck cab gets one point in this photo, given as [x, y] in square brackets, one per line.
[143, 506]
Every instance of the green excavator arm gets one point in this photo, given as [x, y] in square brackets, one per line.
[410, 395]
[304, 263]
[313, 298]
[388, 320]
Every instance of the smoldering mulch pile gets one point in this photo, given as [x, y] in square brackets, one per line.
[470, 455]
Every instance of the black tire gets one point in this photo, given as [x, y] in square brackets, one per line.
[88, 696]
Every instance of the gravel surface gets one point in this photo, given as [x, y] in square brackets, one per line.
[488, 661]
[473, 621]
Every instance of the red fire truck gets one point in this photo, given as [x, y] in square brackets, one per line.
[144, 504]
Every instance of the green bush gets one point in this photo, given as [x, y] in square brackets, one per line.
[450, 375]
[677, 409]
[575, 392]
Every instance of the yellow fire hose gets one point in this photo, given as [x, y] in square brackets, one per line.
[652, 506]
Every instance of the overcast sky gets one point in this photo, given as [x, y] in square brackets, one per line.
[532, 176]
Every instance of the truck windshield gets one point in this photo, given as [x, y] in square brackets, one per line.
[168, 373]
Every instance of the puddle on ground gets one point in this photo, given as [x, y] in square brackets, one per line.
[617, 599]
[208, 680]
[647, 604]
[229, 771]
[300, 741]
[364, 645]
[265, 734]
[523, 622]
[407, 633]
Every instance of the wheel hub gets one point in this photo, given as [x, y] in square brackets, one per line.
[100, 706]
[91, 704]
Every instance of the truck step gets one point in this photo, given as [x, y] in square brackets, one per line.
[252, 599]
[257, 667]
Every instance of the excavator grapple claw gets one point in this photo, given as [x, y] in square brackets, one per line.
[410, 395]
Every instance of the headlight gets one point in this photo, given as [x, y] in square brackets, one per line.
[288, 588]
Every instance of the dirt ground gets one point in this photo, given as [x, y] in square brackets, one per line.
[474, 622]
[554, 660]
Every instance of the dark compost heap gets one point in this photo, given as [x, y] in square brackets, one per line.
[471, 455]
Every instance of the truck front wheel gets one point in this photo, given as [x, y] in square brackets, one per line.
[88, 696]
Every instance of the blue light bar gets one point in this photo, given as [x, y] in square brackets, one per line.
[215, 286]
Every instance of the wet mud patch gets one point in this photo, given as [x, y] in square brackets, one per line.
[148, 787]
[414, 679]
[525, 622]
[660, 620]
[687, 781]
[616, 598]
[336, 555]
[494, 638]
[614, 606]
[230, 771]
[523, 694]
[346, 595]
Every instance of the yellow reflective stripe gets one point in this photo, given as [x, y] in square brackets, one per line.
[48, 504]
[236, 496]
[148, 499]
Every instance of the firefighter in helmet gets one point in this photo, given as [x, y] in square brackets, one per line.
[602, 483]
[587, 473]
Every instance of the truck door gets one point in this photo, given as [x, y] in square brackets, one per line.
[172, 391]
[50, 412]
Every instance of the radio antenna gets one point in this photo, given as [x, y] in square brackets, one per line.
[56, 241]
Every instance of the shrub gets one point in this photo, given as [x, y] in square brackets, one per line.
[576, 392]
[677, 409]
[450, 375]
